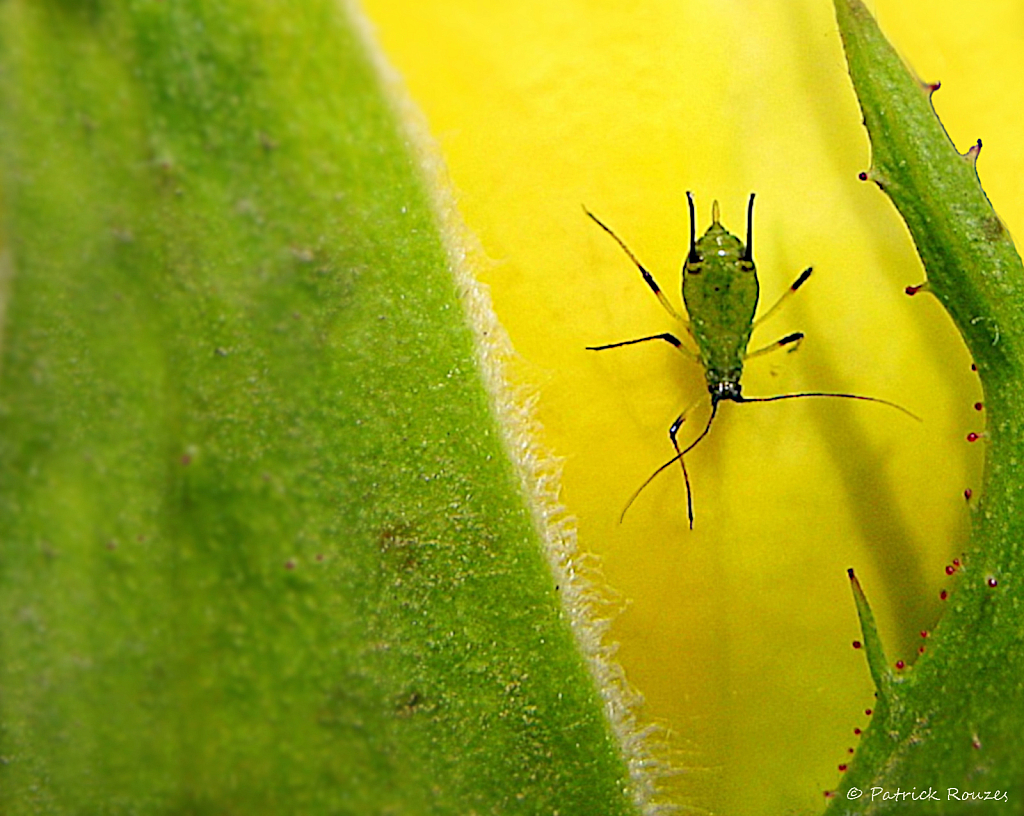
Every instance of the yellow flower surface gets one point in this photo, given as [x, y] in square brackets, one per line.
[737, 633]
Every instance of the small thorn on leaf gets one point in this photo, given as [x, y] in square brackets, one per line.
[877, 663]
[972, 154]
[872, 174]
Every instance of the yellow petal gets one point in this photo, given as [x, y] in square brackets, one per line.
[738, 633]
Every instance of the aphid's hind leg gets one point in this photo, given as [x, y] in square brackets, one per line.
[793, 340]
[800, 281]
[648, 277]
[666, 336]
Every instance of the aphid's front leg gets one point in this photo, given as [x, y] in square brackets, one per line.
[789, 340]
[686, 476]
[673, 433]
[785, 296]
[666, 336]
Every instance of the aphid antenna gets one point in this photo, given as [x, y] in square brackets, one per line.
[639, 490]
[835, 394]
[742, 399]
[678, 457]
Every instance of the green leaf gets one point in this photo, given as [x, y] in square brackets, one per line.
[956, 718]
[262, 549]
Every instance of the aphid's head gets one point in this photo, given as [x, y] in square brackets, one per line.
[725, 390]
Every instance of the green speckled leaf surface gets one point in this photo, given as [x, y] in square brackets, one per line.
[261, 548]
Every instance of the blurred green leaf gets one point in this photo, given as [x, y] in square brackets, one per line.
[261, 548]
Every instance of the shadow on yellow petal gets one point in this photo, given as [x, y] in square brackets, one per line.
[738, 633]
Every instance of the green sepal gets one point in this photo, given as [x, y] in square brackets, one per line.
[960, 720]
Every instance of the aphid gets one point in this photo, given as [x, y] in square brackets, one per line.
[720, 292]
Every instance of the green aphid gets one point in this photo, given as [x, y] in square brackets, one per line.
[720, 291]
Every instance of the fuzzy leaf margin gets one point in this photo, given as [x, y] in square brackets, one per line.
[262, 549]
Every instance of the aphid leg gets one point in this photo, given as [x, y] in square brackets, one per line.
[668, 338]
[648, 277]
[793, 340]
[800, 281]
[672, 433]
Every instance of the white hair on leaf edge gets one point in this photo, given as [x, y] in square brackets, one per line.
[586, 598]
